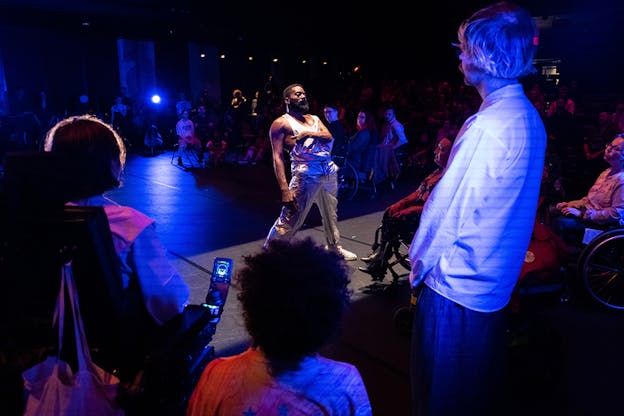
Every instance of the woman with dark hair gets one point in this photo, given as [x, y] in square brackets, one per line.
[102, 155]
[293, 296]
[360, 149]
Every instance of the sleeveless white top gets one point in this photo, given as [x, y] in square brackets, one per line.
[310, 156]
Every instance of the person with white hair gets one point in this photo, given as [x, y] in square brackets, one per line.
[476, 224]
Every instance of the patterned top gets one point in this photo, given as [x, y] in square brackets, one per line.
[242, 385]
[427, 184]
[604, 199]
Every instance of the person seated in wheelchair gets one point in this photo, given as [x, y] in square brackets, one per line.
[401, 219]
[293, 295]
[602, 207]
[141, 254]
[365, 137]
[337, 129]
[185, 130]
[393, 140]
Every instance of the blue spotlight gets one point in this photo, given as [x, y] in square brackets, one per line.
[156, 99]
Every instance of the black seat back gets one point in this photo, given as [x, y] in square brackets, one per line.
[40, 234]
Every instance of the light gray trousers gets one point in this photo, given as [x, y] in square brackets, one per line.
[309, 189]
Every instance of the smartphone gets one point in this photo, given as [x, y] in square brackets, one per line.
[222, 270]
[220, 282]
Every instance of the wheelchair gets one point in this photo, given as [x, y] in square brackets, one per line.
[189, 157]
[600, 267]
[158, 365]
[350, 180]
[592, 271]
[393, 258]
[391, 245]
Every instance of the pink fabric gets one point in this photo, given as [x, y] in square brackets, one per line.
[143, 256]
[126, 224]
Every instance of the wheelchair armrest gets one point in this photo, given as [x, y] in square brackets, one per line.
[590, 234]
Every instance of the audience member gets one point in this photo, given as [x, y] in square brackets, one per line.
[420, 158]
[238, 99]
[238, 111]
[361, 146]
[256, 149]
[476, 224]
[293, 295]
[618, 116]
[603, 205]
[185, 130]
[183, 104]
[547, 251]
[141, 254]
[314, 176]
[402, 217]
[563, 102]
[152, 139]
[217, 149]
[119, 114]
[206, 124]
[392, 137]
[566, 139]
[594, 145]
[337, 130]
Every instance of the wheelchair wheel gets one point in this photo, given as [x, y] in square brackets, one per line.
[187, 158]
[347, 180]
[400, 256]
[601, 269]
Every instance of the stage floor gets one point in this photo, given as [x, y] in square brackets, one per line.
[570, 363]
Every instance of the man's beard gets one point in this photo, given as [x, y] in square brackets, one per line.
[301, 107]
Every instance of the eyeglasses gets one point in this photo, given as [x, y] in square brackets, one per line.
[457, 48]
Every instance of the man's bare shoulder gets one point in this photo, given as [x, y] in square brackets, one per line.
[280, 124]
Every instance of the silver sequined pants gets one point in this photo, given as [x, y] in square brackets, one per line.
[309, 189]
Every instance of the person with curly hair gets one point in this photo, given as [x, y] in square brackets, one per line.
[293, 295]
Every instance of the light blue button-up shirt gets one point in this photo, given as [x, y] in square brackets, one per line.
[477, 223]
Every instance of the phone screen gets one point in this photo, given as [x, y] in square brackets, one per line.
[222, 270]
[220, 281]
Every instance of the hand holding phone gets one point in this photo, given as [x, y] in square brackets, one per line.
[220, 282]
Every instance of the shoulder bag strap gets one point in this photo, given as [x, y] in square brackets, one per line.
[82, 348]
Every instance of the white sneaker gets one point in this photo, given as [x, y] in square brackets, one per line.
[349, 256]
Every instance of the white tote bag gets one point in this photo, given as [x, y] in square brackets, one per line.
[53, 389]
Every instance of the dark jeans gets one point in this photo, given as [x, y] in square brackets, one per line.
[571, 229]
[459, 359]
